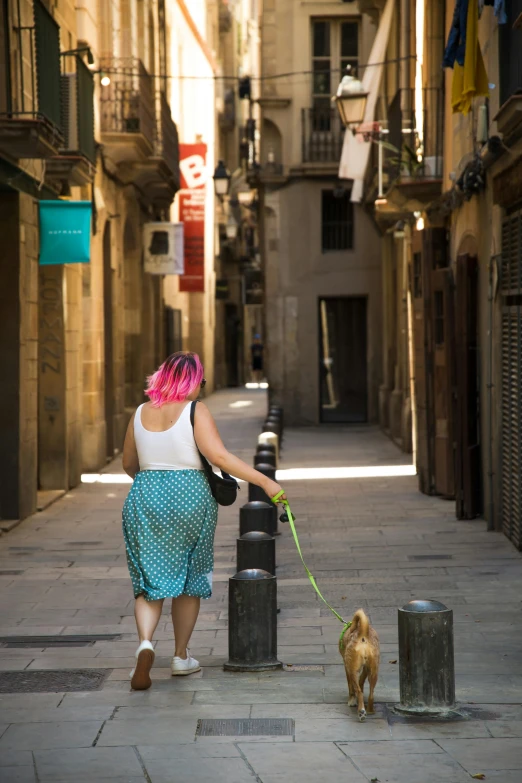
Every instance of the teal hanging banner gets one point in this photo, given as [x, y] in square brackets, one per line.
[65, 232]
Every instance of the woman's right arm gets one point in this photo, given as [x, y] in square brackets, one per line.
[212, 447]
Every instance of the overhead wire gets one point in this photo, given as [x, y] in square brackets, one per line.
[268, 77]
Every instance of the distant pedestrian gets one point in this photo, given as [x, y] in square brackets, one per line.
[256, 352]
[170, 515]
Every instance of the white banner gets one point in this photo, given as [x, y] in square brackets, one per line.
[163, 248]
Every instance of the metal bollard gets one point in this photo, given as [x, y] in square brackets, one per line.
[266, 447]
[255, 492]
[265, 458]
[271, 439]
[252, 622]
[273, 425]
[256, 550]
[257, 516]
[426, 665]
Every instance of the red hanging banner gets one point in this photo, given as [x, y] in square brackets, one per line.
[192, 214]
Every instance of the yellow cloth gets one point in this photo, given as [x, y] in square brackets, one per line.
[470, 79]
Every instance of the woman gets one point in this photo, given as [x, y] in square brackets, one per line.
[170, 515]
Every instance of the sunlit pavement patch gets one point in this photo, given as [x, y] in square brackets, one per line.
[378, 471]
[290, 474]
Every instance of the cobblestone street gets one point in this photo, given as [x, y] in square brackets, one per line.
[374, 543]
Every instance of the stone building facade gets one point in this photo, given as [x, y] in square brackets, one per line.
[78, 340]
[321, 252]
[452, 256]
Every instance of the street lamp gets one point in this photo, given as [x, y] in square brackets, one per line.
[351, 100]
[221, 180]
[231, 228]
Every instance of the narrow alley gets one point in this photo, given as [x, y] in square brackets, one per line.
[374, 543]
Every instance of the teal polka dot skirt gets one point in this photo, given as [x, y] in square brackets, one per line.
[169, 521]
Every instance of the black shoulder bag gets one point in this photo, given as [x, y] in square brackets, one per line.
[224, 487]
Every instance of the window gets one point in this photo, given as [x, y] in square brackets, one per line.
[337, 221]
[335, 44]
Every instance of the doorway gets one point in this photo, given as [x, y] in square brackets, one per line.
[468, 453]
[108, 340]
[343, 359]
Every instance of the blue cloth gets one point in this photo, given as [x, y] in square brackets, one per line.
[169, 521]
[456, 46]
[499, 8]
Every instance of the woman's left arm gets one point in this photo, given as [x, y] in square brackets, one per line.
[131, 463]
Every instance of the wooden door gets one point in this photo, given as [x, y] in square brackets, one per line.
[343, 359]
[443, 381]
[468, 456]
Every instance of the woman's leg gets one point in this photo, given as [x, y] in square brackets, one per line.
[185, 610]
[147, 614]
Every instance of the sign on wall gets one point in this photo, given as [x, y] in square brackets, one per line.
[65, 232]
[163, 248]
[194, 175]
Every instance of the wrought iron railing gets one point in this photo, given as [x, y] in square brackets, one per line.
[35, 68]
[415, 134]
[167, 144]
[127, 103]
[322, 135]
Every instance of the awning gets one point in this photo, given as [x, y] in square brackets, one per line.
[356, 151]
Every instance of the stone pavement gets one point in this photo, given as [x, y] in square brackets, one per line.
[373, 542]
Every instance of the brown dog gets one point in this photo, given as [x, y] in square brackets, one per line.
[359, 647]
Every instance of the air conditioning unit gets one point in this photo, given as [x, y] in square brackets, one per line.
[163, 248]
[69, 111]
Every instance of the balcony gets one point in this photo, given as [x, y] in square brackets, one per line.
[269, 173]
[128, 122]
[322, 135]
[140, 138]
[159, 178]
[30, 112]
[413, 164]
[75, 164]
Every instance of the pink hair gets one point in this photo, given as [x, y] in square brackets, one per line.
[175, 380]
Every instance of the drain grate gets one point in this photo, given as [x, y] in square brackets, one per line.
[245, 727]
[53, 681]
[16, 642]
[430, 557]
[303, 667]
[11, 573]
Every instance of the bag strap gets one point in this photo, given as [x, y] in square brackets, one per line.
[206, 464]
[204, 461]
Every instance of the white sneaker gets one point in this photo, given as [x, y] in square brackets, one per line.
[140, 675]
[180, 666]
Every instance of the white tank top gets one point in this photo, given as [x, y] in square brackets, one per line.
[172, 449]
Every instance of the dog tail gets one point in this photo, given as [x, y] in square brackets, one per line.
[361, 624]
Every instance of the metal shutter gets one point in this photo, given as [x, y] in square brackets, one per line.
[511, 444]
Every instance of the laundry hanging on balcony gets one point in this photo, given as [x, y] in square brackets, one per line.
[499, 6]
[463, 54]
[65, 232]
[356, 152]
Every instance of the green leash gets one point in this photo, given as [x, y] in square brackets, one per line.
[286, 504]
